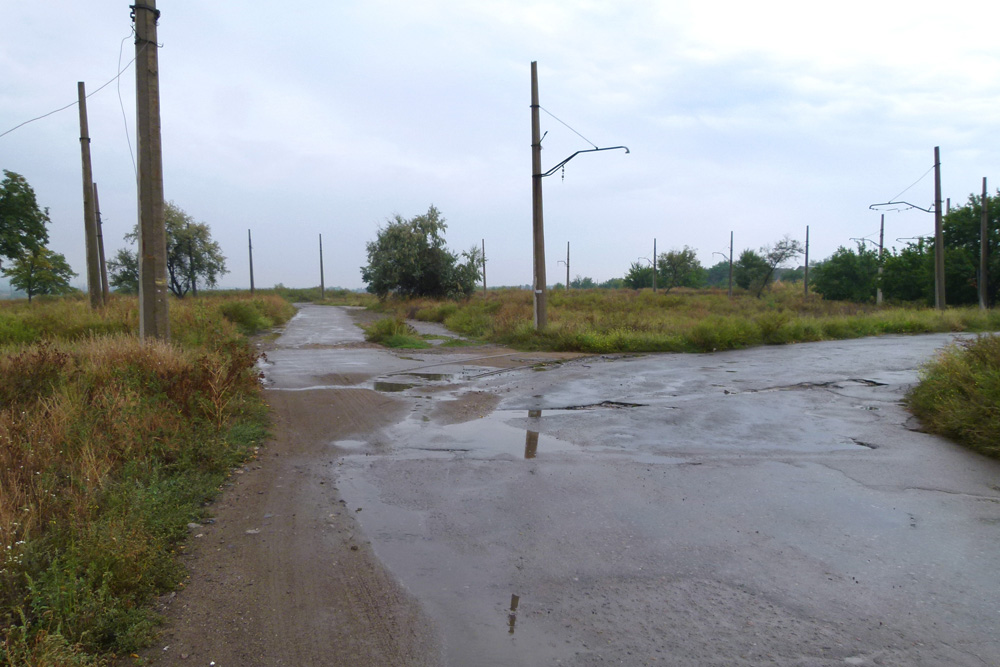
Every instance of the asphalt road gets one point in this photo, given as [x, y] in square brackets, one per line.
[767, 506]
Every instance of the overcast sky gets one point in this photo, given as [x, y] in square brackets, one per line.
[299, 119]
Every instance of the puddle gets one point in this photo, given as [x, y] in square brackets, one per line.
[394, 386]
[430, 377]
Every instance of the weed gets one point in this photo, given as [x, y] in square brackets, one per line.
[959, 394]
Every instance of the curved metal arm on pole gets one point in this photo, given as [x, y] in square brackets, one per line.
[890, 203]
[589, 150]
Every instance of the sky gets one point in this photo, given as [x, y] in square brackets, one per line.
[295, 120]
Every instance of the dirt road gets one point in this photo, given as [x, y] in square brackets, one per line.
[477, 507]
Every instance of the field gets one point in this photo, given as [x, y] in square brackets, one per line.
[605, 321]
[109, 447]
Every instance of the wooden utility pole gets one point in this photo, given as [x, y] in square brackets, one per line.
[939, 298]
[730, 264]
[654, 266]
[250, 248]
[322, 279]
[89, 214]
[537, 226]
[154, 319]
[881, 249]
[984, 249]
[805, 277]
[484, 267]
[105, 289]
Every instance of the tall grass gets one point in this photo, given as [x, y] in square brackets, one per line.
[603, 321]
[109, 446]
[959, 394]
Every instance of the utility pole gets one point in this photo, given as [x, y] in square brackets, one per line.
[154, 319]
[250, 248]
[984, 249]
[730, 264]
[939, 298]
[805, 279]
[537, 225]
[191, 274]
[322, 280]
[654, 266]
[89, 212]
[881, 249]
[484, 267]
[567, 266]
[105, 290]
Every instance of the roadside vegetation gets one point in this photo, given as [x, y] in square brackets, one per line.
[959, 394]
[685, 320]
[109, 447]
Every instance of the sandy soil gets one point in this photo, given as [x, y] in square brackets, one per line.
[282, 575]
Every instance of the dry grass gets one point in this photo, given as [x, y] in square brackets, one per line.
[108, 447]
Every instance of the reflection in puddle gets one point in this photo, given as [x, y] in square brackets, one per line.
[393, 386]
[512, 616]
[531, 442]
[431, 377]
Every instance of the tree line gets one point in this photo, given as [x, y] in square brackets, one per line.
[852, 274]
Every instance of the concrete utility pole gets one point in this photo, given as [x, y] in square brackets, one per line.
[105, 290]
[730, 265]
[567, 266]
[484, 267]
[322, 280]
[154, 319]
[939, 299]
[881, 249]
[89, 212]
[984, 249]
[805, 279]
[537, 225]
[654, 266]
[191, 274]
[250, 248]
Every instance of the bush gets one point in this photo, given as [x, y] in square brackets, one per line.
[959, 394]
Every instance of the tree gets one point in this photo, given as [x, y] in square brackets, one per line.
[638, 276]
[962, 240]
[717, 275]
[123, 272]
[192, 256]
[908, 275]
[749, 269]
[679, 268]
[409, 258]
[22, 223]
[755, 271]
[847, 275]
[582, 283]
[40, 271]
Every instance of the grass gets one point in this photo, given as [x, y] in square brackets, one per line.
[606, 321]
[109, 447]
[394, 332]
[959, 394]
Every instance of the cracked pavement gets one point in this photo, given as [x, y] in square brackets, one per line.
[767, 506]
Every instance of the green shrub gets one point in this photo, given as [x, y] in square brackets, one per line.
[959, 394]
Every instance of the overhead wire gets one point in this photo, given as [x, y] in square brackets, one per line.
[912, 184]
[567, 125]
[89, 95]
[128, 138]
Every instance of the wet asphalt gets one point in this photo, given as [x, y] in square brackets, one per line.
[767, 506]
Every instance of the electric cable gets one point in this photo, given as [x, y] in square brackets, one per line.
[89, 95]
[570, 128]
